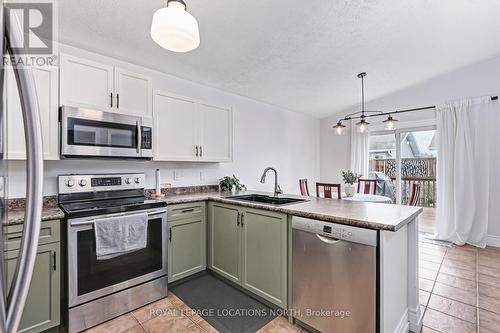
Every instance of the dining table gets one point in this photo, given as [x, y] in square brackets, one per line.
[368, 198]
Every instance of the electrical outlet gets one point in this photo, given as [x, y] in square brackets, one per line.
[176, 175]
[202, 176]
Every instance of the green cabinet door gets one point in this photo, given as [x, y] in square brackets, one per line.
[264, 254]
[41, 311]
[186, 247]
[224, 241]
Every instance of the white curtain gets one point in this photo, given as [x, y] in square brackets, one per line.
[359, 151]
[468, 139]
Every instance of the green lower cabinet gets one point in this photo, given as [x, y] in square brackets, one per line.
[249, 247]
[42, 309]
[186, 247]
[264, 242]
[225, 241]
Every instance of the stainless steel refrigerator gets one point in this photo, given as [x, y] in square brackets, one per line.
[12, 300]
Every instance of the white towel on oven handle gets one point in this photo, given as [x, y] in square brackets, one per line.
[118, 235]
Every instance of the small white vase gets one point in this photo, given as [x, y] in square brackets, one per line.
[350, 190]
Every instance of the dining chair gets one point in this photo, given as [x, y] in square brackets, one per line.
[304, 190]
[327, 190]
[370, 185]
[415, 195]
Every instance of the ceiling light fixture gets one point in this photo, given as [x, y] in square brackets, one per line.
[363, 114]
[389, 123]
[339, 128]
[362, 125]
[174, 29]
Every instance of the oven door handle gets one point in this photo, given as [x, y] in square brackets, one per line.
[88, 222]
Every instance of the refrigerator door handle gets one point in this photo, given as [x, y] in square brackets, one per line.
[34, 173]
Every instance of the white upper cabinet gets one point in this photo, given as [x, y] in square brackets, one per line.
[215, 133]
[133, 93]
[174, 128]
[186, 129]
[86, 83]
[89, 84]
[46, 87]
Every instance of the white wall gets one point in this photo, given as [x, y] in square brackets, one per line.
[264, 135]
[476, 80]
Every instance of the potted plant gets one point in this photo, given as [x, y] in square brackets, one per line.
[350, 178]
[231, 184]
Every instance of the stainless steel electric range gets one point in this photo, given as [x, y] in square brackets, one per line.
[98, 290]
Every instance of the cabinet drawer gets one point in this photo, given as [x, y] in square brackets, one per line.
[49, 233]
[185, 211]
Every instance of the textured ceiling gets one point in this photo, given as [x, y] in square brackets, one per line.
[301, 55]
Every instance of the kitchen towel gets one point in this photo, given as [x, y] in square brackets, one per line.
[115, 236]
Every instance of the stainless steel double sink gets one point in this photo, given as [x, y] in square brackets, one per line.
[267, 199]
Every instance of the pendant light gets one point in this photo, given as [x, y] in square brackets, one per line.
[389, 122]
[362, 125]
[339, 128]
[174, 29]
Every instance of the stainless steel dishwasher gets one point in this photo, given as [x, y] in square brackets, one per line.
[334, 276]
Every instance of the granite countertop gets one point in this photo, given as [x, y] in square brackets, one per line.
[16, 215]
[370, 215]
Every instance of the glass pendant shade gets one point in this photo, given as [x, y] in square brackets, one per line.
[390, 123]
[362, 126]
[339, 128]
[174, 29]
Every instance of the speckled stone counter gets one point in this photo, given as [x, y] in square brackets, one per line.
[369, 215]
[16, 215]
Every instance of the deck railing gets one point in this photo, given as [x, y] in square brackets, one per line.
[414, 171]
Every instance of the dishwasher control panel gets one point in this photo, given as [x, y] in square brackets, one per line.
[336, 231]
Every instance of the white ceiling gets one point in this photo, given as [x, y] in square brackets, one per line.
[301, 55]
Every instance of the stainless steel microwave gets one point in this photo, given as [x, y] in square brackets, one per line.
[95, 133]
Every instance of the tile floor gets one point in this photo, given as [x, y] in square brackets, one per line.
[460, 293]
[460, 289]
[172, 315]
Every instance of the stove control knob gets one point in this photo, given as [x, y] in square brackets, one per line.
[70, 183]
[128, 180]
[82, 182]
[137, 180]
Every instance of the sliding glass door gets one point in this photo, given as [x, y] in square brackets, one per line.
[408, 157]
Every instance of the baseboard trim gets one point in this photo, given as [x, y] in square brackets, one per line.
[404, 324]
[493, 240]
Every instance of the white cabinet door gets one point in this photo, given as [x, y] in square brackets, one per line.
[86, 83]
[174, 128]
[134, 93]
[216, 131]
[46, 88]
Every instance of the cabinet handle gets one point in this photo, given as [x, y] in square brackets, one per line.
[196, 151]
[111, 97]
[187, 210]
[54, 256]
[242, 217]
[238, 219]
[117, 101]
[201, 151]
[170, 235]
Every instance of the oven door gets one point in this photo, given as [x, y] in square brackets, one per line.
[96, 133]
[89, 278]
